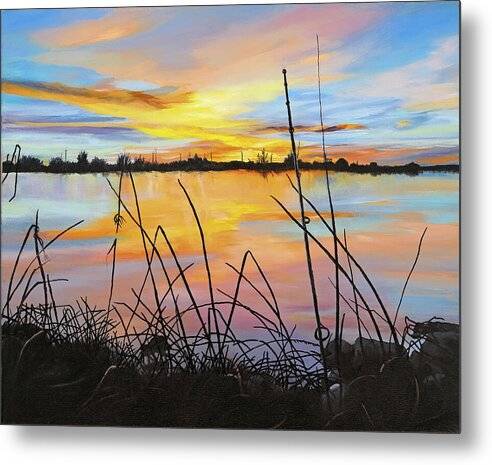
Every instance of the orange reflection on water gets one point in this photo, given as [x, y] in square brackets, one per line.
[384, 217]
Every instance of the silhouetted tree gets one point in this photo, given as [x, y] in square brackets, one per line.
[262, 157]
[29, 163]
[57, 164]
[98, 164]
[83, 158]
[139, 163]
[123, 160]
[342, 164]
[289, 159]
[412, 167]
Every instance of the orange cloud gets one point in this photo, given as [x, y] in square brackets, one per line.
[306, 128]
[117, 24]
[83, 96]
[344, 127]
[440, 160]
[206, 116]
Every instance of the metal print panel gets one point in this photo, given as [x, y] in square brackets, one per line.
[232, 216]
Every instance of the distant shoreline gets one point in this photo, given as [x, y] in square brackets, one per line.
[26, 165]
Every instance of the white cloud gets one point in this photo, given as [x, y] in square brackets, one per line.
[427, 84]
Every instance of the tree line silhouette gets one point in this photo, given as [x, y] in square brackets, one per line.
[263, 162]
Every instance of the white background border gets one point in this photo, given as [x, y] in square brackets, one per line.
[91, 446]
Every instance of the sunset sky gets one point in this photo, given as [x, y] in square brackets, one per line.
[185, 80]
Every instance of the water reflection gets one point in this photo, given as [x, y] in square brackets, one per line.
[383, 216]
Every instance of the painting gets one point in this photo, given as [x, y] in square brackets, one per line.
[236, 216]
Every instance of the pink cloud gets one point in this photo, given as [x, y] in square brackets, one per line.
[118, 24]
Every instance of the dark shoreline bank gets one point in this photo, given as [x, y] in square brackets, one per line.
[49, 379]
[26, 165]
